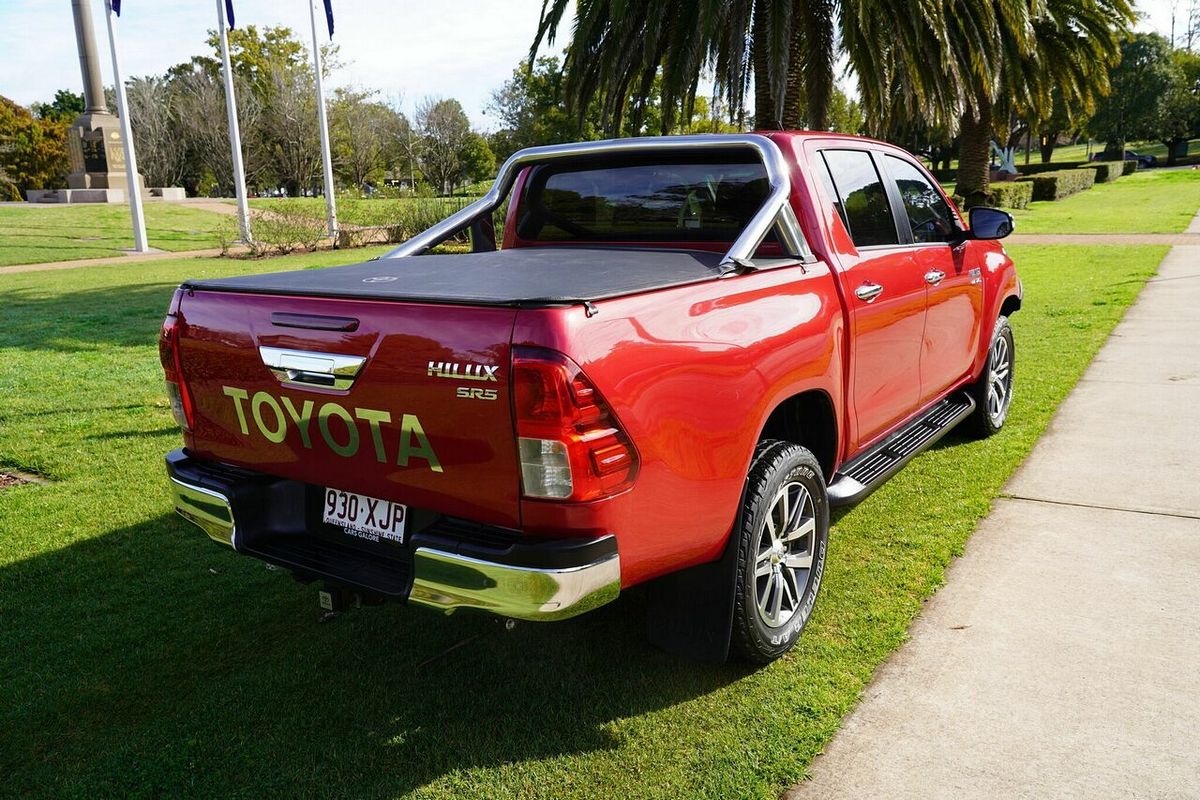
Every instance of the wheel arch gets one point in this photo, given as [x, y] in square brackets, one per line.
[1010, 305]
[808, 419]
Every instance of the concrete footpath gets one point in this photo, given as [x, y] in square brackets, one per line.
[1062, 657]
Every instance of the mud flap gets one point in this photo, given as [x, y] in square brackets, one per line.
[690, 612]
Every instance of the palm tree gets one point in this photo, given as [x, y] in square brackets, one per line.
[945, 62]
[619, 46]
[1063, 47]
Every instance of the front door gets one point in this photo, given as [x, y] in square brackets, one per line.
[955, 304]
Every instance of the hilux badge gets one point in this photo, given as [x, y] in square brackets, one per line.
[463, 372]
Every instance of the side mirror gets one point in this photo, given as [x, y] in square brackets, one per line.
[990, 223]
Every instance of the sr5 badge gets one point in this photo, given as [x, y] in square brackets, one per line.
[471, 393]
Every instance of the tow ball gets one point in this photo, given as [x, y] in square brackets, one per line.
[336, 600]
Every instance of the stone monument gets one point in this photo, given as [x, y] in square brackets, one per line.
[94, 142]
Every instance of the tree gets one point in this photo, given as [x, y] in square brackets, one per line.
[198, 103]
[289, 125]
[1176, 117]
[256, 57]
[33, 152]
[1033, 49]
[405, 144]
[360, 129]
[618, 48]
[1138, 83]
[845, 113]
[530, 110]
[478, 161]
[444, 129]
[155, 121]
[66, 106]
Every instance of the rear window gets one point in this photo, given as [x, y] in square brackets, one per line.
[677, 201]
[862, 201]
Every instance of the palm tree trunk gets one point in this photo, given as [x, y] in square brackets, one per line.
[813, 55]
[975, 139]
[765, 116]
[1046, 145]
[792, 115]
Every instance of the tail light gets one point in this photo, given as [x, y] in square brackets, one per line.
[168, 354]
[571, 444]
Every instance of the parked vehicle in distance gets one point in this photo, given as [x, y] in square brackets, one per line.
[1145, 160]
[677, 355]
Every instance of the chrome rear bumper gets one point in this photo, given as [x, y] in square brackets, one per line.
[538, 580]
[448, 581]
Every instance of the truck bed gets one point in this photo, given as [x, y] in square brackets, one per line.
[514, 277]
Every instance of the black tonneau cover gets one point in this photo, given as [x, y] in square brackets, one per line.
[519, 276]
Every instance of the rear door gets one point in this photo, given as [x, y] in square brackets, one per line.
[400, 401]
[955, 294]
[884, 286]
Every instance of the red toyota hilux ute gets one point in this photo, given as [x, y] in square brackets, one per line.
[674, 358]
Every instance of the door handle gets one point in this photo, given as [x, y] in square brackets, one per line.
[934, 277]
[868, 291]
[306, 368]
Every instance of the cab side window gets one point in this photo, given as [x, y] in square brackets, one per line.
[929, 214]
[861, 199]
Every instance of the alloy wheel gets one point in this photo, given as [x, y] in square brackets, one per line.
[1000, 380]
[784, 559]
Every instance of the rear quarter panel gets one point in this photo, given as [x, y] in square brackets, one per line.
[692, 373]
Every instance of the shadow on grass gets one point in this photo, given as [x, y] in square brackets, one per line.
[126, 315]
[150, 661]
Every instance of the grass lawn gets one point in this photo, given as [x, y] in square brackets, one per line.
[34, 234]
[1152, 201]
[139, 659]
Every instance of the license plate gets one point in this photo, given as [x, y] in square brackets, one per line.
[365, 517]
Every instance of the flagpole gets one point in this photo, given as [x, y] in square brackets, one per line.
[330, 202]
[140, 244]
[235, 133]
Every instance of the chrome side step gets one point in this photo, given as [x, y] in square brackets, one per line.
[865, 473]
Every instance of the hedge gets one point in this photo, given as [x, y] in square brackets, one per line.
[1106, 171]
[1060, 184]
[1053, 166]
[1130, 167]
[1015, 194]
[947, 175]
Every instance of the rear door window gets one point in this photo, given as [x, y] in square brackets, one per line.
[862, 200]
[929, 214]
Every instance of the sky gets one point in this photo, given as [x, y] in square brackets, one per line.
[404, 48]
[450, 48]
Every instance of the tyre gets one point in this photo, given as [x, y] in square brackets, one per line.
[783, 536]
[993, 392]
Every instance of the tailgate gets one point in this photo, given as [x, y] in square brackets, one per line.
[401, 401]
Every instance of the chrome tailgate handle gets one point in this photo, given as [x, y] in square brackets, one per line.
[868, 291]
[306, 368]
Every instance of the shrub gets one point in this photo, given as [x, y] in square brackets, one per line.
[1060, 184]
[1014, 194]
[1130, 166]
[285, 227]
[1106, 171]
